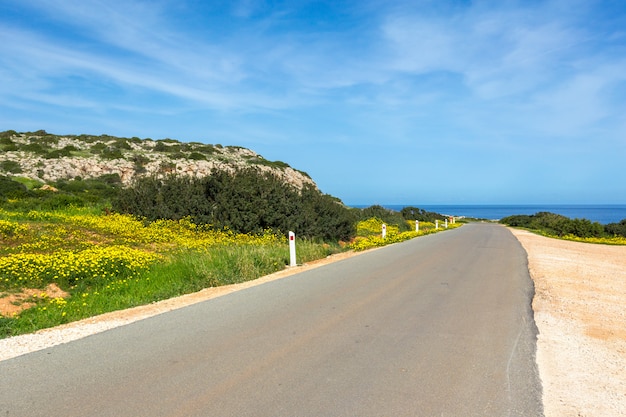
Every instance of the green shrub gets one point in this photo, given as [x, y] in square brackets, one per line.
[97, 148]
[58, 153]
[112, 153]
[140, 162]
[7, 134]
[197, 156]
[258, 160]
[414, 213]
[34, 148]
[92, 189]
[161, 146]
[246, 202]
[122, 143]
[12, 189]
[207, 149]
[617, 229]
[6, 140]
[389, 217]
[13, 167]
[556, 224]
[61, 201]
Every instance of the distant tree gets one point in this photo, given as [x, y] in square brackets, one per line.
[8, 134]
[197, 156]
[6, 140]
[618, 229]
[415, 213]
[12, 167]
[35, 148]
[12, 189]
[556, 224]
[112, 153]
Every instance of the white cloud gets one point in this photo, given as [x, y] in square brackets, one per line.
[499, 60]
[45, 64]
[498, 53]
[582, 103]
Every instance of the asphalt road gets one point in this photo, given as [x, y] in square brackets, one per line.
[436, 326]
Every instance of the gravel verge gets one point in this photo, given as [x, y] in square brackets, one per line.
[580, 294]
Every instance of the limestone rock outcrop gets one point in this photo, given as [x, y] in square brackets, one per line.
[47, 158]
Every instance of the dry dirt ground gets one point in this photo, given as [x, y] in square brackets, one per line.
[579, 309]
[11, 303]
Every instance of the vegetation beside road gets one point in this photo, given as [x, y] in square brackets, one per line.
[109, 262]
[92, 240]
[581, 230]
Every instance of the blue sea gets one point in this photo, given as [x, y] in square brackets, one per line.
[604, 214]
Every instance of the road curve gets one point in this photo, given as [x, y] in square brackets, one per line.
[436, 326]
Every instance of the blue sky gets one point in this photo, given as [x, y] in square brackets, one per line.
[380, 102]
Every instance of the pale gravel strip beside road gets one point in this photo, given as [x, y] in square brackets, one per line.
[579, 305]
[579, 311]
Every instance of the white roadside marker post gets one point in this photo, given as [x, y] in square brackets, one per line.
[384, 230]
[292, 249]
[446, 223]
[417, 225]
[436, 224]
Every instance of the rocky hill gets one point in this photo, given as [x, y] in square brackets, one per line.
[47, 157]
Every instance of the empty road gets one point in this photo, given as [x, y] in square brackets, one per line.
[437, 326]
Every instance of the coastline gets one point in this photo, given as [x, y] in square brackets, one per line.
[601, 213]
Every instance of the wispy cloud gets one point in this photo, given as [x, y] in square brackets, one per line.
[480, 76]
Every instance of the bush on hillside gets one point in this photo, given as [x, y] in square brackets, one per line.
[93, 190]
[248, 201]
[13, 167]
[10, 189]
[7, 134]
[15, 195]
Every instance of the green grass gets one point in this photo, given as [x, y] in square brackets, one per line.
[28, 182]
[112, 262]
[181, 272]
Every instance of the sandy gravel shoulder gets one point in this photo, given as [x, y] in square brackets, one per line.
[580, 311]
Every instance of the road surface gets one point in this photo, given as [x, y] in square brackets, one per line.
[436, 326]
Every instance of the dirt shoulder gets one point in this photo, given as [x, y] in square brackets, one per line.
[579, 305]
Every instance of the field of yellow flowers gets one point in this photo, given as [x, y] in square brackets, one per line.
[369, 233]
[108, 262]
[105, 262]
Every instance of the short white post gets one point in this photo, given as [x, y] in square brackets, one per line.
[446, 223]
[436, 224]
[384, 230]
[292, 249]
[417, 225]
